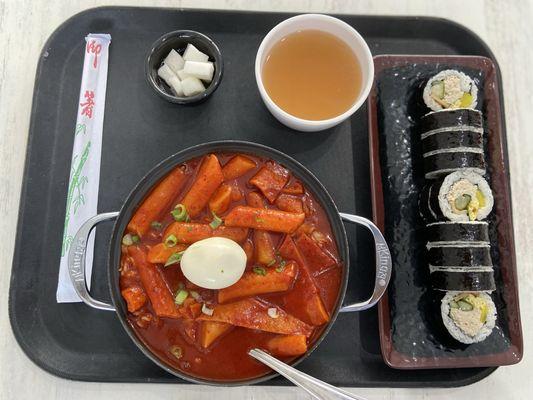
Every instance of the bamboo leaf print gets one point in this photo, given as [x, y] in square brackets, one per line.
[74, 187]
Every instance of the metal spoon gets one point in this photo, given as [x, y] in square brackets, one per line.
[315, 387]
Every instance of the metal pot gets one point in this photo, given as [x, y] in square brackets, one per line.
[76, 261]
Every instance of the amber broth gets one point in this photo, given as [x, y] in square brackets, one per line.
[312, 74]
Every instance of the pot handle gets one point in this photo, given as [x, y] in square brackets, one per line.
[383, 264]
[76, 260]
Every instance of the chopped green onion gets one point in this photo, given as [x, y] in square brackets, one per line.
[206, 310]
[271, 263]
[156, 225]
[217, 221]
[135, 239]
[260, 271]
[281, 266]
[195, 295]
[181, 296]
[175, 258]
[127, 240]
[176, 351]
[171, 241]
[259, 220]
[180, 213]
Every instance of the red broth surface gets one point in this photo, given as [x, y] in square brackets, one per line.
[176, 333]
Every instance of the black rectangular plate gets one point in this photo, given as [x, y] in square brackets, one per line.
[140, 129]
[411, 329]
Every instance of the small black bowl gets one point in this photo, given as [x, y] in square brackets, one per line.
[178, 41]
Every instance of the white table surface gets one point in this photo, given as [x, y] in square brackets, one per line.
[24, 27]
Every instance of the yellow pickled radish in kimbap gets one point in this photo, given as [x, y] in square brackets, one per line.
[450, 89]
[468, 317]
[465, 196]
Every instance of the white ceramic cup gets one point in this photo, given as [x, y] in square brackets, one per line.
[323, 23]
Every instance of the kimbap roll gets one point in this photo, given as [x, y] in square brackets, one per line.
[468, 317]
[441, 162]
[452, 139]
[464, 279]
[463, 256]
[474, 233]
[450, 89]
[461, 196]
[446, 120]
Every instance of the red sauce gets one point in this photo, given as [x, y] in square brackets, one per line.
[226, 358]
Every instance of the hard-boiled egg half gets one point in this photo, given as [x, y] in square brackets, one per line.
[213, 263]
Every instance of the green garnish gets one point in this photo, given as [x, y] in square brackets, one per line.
[127, 240]
[462, 201]
[179, 213]
[156, 225]
[195, 295]
[271, 263]
[465, 306]
[135, 239]
[437, 89]
[175, 258]
[259, 271]
[181, 296]
[281, 266]
[217, 221]
[171, 241]
[259, 220]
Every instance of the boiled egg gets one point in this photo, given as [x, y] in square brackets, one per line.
[213, 263]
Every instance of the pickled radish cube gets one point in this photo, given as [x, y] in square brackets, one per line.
[200, 70]
[166, 73]
[174, 61]
[176, 86]
[183, 75]
[192, 86]
[193, 54]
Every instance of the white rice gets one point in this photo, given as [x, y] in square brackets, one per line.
[455, 331]
[468, 128]
[457, 243]
[456, 109]
[459, 268]
[453, 222]
[444, 171]
[476, 150]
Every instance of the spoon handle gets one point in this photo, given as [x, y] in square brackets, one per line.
[318, 389]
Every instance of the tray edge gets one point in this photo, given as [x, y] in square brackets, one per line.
[12, 317]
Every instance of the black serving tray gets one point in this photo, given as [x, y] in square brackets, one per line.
[140, 129]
